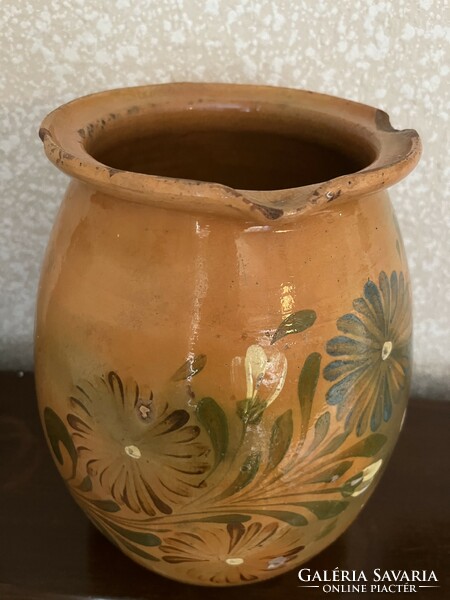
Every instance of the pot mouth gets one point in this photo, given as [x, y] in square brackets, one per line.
[260, 153]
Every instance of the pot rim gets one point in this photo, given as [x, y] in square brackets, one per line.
[69, 132]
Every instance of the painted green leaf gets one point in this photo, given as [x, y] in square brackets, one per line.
[334, 444]
[251, 410]
[139, 551]
[86, 484]
[282, 515]
[214, 420]
[327, 529]
[324, 509]
[123, 542]
[190, 368]
[57, 434]
[138, 537]
[351, 484]
[246, 475]
[321, 427]
[280, 439]
[307, 384]
[233, 518]
[106, 505]
[295, 323]
[332, 474]
[367, 447]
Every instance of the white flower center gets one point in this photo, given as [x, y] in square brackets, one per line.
[386, 350]
[133, 451]
[144, 410]
[234, 561]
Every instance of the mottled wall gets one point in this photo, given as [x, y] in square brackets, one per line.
[393, 54]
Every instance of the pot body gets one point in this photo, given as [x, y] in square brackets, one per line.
[220, 396]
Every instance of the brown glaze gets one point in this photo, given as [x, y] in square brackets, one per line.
[224, 323]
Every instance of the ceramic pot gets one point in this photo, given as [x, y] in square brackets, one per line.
[223, 334]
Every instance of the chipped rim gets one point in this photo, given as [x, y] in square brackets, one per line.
[68, 131]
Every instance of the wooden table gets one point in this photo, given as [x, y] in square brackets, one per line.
[49, 550]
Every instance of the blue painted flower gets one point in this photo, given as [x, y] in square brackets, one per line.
[372, 356]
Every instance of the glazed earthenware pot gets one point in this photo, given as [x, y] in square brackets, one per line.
[223, 334]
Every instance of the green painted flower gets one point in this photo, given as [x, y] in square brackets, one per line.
[372, 356]
[143, 454]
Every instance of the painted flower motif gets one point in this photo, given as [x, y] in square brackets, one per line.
[233, 554]
[372, 364]
[144, 457]
[265, 377]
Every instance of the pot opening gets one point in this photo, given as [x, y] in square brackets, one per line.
[246, 150]
[255, 152]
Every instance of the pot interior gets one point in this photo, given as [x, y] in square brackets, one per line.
[243, 149]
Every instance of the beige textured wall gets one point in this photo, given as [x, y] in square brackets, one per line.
[393, 54]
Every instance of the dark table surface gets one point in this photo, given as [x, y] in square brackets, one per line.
[49, 550]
